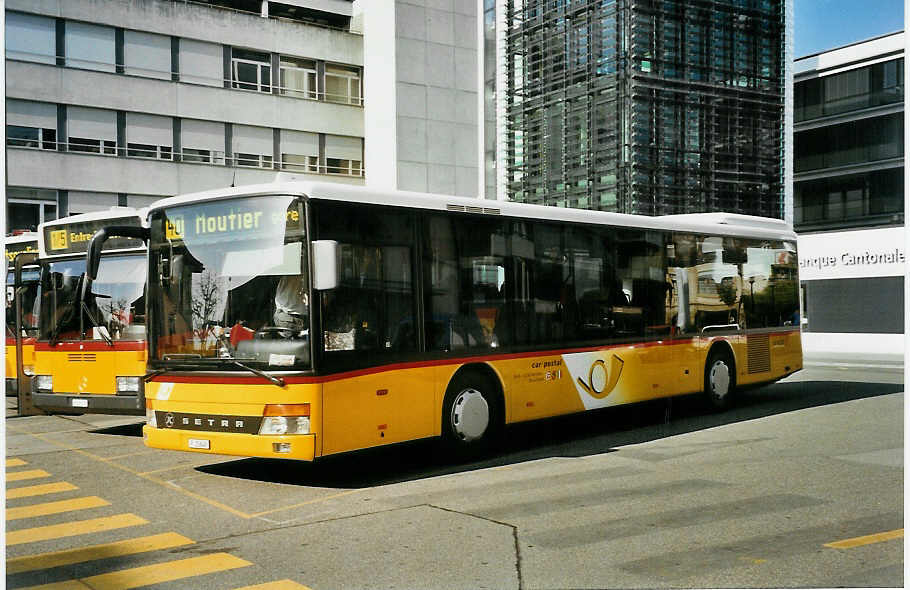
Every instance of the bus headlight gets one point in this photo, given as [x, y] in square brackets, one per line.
[285, 419]
[127, 384]
[28, 369]
[44, 383]
[150, 414]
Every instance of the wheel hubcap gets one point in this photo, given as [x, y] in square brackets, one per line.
[720, 379]
[470, 415]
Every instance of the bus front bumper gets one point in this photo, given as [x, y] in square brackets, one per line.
[298, 446]
[132, 405]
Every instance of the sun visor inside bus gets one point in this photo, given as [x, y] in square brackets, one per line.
[277, 352]
[74, 238]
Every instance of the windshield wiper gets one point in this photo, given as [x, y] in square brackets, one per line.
[101, 329]
[276, 380]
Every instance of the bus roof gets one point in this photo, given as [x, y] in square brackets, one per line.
[730, 224]
[83, 226]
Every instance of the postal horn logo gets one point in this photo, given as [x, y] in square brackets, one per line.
[602, 381]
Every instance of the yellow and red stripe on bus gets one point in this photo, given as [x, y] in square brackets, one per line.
[403, 401]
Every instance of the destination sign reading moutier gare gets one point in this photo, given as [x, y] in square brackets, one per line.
[73, 238]
[241, 218]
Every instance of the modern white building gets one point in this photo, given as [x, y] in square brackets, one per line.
[122, 102]
[849, 199]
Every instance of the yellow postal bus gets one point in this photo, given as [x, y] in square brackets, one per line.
[300, 320]
[24, 243]
[91, 354]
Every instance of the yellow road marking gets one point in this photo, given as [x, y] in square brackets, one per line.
[150, 478]
[68, 585]
[279, 585]
[164, 572]
[23, 475]
[867, 539]
[39, 490]
[313, 501]
[174, 487]
[42, 561]
[124, 456]
[55, 507]
[15, 463]
[71, 529]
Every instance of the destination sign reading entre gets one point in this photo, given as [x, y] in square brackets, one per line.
[73, 238]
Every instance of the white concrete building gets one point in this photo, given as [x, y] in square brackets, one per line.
[125, 101]
[849, 200]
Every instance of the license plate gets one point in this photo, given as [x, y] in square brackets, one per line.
[198, 443]
[79, 403]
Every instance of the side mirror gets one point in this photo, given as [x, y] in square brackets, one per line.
[96, 244]
[325, 264]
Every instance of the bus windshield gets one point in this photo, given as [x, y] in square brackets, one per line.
[231, 284]
[116, 307]
[30, 292]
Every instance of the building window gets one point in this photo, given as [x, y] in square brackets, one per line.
[253, 160]
[299, 163]
[202, 141]
[92, 146]
[298, 78]
[31, 137]
[342, 84]
[31, 38]
[346, 167]
[149, 136]
[90, 47]
[251, 70]
[28, 207]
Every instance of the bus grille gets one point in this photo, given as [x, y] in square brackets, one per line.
[758, 351]
[78, 357]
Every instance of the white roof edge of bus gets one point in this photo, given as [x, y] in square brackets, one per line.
[112, 213]
[708, 223]
[29, 236]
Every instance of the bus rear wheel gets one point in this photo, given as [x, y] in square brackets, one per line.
[720, 379]
[470, 415]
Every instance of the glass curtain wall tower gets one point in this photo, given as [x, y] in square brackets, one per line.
[645, 106]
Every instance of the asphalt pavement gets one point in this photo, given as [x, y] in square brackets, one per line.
[799, 485]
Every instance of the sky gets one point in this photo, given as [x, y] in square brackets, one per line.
[819, 25]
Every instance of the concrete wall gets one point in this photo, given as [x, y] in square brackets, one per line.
[30, 81]
[421, 64]
[206, 24]
[87, 172]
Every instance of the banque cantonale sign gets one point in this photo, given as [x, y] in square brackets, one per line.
[853, 254]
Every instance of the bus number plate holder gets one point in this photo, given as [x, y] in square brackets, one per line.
[199, 443]
[79, 403]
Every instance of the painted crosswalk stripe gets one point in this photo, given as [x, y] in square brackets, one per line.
[152, 574]
[15, 463]
[29, 563]
[55, 507]
[39, 490]
[867, 539]
[279, 585]
[71, 529]
[23, 475]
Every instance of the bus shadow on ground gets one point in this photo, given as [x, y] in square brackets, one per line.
[579, 435]
[122, 430]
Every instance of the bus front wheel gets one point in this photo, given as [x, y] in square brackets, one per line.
[720, 379]
[470, 415]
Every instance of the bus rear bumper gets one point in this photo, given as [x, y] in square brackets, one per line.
[301, 447]
[132, 405]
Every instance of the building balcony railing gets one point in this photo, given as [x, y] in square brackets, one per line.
[109, 149]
